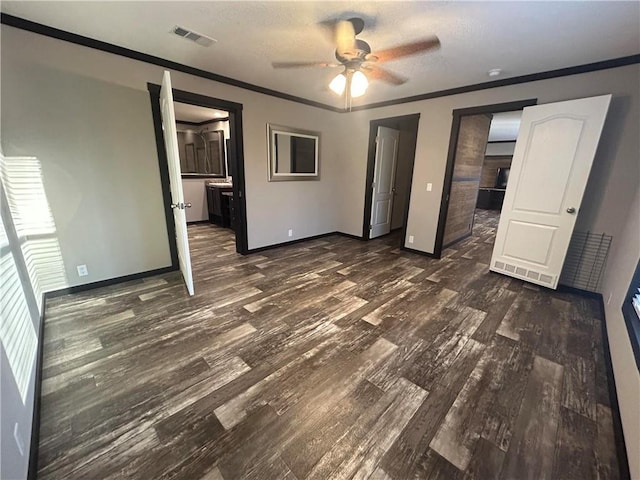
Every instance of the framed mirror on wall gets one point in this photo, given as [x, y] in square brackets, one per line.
[293, 154]
[202, 152]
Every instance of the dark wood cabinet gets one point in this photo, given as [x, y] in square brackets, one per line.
[218, 205]
[490, 198]
[228, 210]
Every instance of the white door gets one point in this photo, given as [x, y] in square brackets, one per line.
[551, 163]
[383, 181]
[175, 179]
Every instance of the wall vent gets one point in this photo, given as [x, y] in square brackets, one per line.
[199, 38]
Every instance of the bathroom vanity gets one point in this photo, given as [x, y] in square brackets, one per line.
[220, 204]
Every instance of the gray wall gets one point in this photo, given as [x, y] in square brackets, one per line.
[194, 191]
[96, 144]
[623, 258]
[610, 183]
[309, 208]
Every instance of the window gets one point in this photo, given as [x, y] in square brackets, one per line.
[631, 313]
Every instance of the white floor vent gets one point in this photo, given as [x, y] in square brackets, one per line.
[525, 274]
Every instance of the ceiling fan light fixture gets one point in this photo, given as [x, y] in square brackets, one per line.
[338, 83]
[359, 84]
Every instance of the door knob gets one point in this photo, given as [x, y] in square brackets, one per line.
[181, 205]
[571, 210]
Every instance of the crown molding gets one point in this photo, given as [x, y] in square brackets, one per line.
[59, 34]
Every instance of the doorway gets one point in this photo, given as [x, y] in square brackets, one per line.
[220, 153]
[394, 191]
[477, 170]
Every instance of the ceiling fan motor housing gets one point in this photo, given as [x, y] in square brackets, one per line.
[362, 49]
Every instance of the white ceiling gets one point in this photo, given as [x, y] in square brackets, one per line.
[505, 126]
[194, 113]
[518, 37]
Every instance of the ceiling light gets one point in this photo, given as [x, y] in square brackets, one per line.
[338, 83]
[494, 72]
[359, 84]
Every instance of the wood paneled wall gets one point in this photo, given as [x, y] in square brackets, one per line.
[470, 149]
[490, 169]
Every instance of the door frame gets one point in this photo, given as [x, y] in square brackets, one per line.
[451, 156]
[391, 122]
[236, 168]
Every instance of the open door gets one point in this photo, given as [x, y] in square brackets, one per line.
[175, 179]
[549, 172]
[383, 181]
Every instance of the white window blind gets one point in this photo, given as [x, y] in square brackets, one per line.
[34, 223]
[17, 334]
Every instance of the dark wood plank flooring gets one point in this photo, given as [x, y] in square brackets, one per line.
[328, 359]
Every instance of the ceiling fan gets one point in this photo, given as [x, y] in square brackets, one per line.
[359, 62]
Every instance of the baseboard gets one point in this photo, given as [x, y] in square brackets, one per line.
[348, 235]
[420, 252]
[32, 471]
[457, 240]
[291, 242]
[108, 282]
[621, 449]
[198, 222]
[579, 291]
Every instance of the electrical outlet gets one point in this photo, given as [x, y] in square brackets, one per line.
[410, 238]
[82, 270]
[18, 438]
[290, 233]
[429, 187]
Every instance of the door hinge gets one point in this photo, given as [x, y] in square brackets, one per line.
[373, 185]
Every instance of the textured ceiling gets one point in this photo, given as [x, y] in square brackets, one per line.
[518, 37]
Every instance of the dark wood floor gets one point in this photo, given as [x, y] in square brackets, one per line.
[329, 359]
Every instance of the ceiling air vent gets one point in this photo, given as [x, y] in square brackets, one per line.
[193, 36]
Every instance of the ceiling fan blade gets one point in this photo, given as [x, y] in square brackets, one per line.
[379, 73]
[405, 50]
[303, 64]
[345, 37]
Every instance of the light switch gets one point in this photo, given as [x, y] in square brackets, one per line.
[429, 187]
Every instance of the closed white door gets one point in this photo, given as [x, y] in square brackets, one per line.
[175, 179]
[551, 163]
[383, 181]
